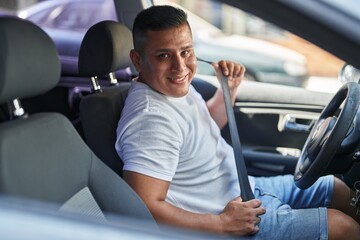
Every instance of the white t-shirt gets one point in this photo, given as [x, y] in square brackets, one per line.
[176, 140]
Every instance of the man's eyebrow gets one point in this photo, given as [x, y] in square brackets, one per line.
[187, 47]
[162, 50]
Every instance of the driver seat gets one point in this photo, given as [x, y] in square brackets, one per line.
[42, 156]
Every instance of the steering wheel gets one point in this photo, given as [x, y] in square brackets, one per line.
[327, 135]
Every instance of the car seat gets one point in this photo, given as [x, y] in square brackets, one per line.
[104, 49]
[42, 156]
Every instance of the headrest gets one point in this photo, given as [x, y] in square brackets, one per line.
[105, 49]
[29, 63]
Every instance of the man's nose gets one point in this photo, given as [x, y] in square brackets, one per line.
[178, 64]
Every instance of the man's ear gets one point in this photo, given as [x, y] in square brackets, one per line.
[136, 59]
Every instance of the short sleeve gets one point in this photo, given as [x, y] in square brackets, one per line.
[150, 144]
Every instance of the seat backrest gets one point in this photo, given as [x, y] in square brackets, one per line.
[42, 156]
[104, 49]
[100, 113]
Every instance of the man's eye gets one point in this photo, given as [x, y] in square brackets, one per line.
[186, 53]
[163, 56]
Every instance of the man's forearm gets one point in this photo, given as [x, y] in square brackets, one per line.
[167, 213]
[153, 192]
[217, 109]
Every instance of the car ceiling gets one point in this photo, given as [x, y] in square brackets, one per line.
[305, 18]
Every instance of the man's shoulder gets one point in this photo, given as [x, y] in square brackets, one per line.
[142, 96]
[144, 101]
[141, 91]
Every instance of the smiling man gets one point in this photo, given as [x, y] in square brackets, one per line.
[177, 161]
[168, 63]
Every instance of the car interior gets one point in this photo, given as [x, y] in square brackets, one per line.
[58, 126]
[67, 170]
[42, 155]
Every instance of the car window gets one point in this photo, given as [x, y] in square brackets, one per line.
[70, 18]
[43, 18]
[76, 16]
[269, 53]
[66, 22]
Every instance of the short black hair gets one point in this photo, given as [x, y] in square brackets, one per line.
[156, 18]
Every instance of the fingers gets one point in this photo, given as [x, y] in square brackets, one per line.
[254, 228]
[242, 217]
[257, 220]
[256, 205]
[256, 211]
[232, 70]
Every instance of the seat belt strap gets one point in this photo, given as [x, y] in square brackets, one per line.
[246, 191]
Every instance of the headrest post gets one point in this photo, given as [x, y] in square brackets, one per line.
[95, 84]
[113, 79]
[16, 110]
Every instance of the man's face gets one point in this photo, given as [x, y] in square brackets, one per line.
[167, 63]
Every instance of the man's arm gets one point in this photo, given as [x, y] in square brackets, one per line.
[240, 218]
[234, 73]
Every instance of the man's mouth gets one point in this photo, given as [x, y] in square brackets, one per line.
[178, 79]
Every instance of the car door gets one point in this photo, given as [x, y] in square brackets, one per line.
[273, 122]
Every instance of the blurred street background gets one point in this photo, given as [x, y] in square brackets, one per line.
[323, 67]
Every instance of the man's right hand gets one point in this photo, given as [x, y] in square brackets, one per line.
[238, 217]
[241, 218]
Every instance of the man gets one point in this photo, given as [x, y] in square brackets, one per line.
[176, 160]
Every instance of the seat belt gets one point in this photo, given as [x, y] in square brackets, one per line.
[246, 191]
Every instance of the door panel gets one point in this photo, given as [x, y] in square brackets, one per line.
[273, 123]
[271, 147]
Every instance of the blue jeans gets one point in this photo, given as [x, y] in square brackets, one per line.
[292, 213]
